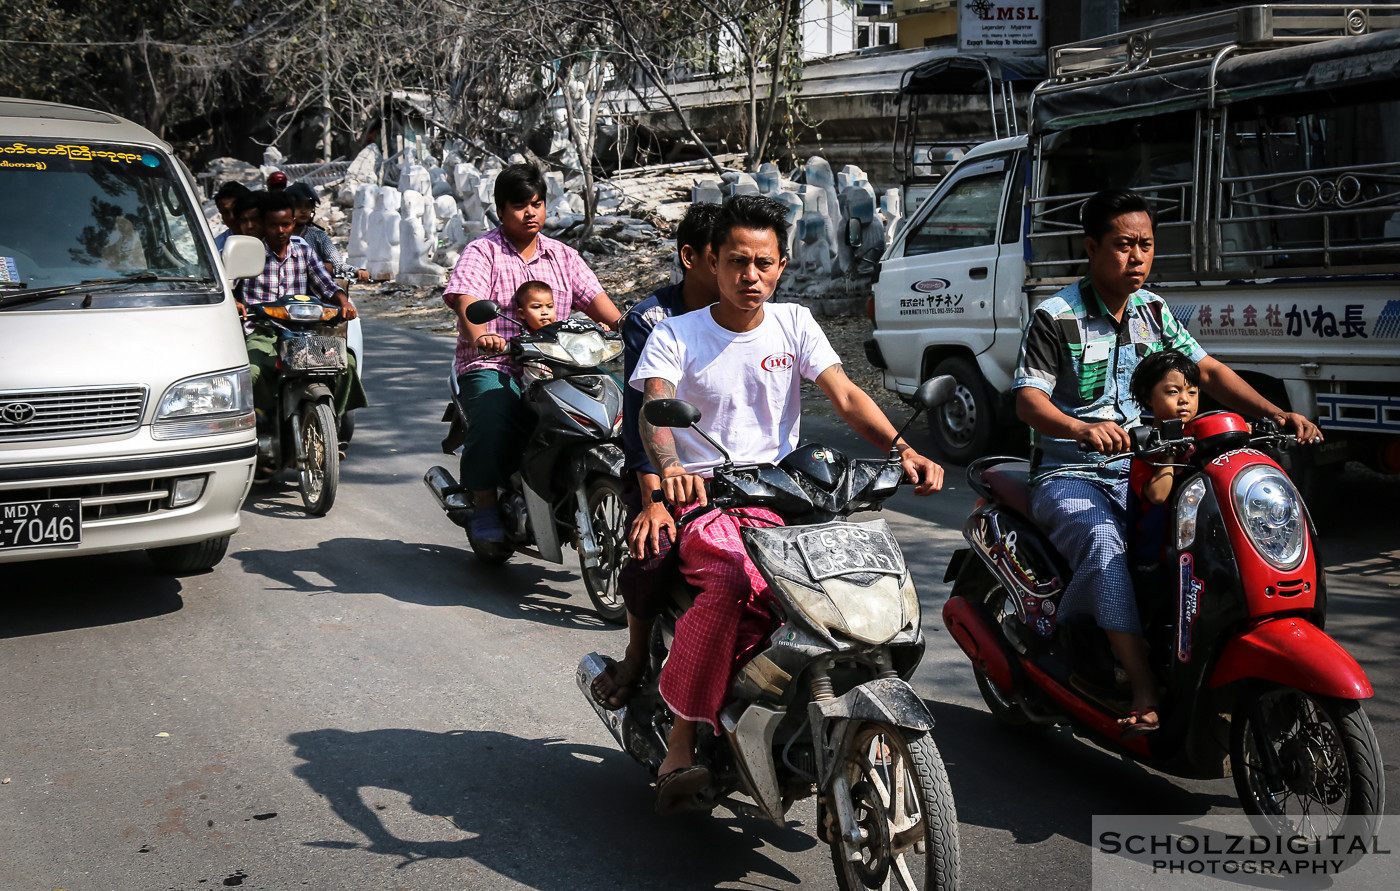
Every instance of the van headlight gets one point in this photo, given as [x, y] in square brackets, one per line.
[1187, 506]
[1272, 515]
[206, 405]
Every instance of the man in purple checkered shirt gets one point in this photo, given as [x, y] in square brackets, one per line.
[289, 268]
[491, 268]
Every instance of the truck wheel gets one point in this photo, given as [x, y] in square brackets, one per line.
[964, 428]
[198, 557]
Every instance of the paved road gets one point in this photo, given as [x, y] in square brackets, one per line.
[352, 702]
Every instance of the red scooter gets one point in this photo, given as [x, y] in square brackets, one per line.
[1233, 607]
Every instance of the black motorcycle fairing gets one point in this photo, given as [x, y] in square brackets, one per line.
[821, 464]
[565, 417]
[761, 485]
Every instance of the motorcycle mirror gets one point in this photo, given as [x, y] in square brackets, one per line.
[479, 312]
[1173, 429]
[1141, 436]
[671, 413]
[936, 391]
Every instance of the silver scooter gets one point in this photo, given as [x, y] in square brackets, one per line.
[826, 708]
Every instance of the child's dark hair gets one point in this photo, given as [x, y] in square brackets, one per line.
[751, 212]
[529, 288]
[1157, 366]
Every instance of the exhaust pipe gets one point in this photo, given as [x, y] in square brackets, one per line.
[444, 487]
[589, 667]
[449, 495]
[982, 643]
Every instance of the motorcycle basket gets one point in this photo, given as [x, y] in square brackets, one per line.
[302, 351]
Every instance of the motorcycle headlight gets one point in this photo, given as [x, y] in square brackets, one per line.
[1186, 508]
[586, 348]
[1271, 514]
[204, 405]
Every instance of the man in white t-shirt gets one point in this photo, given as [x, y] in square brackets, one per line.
[742, 364]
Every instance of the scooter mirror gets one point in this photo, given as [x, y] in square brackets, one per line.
[479, 312]
[671, 413]
[936, 391]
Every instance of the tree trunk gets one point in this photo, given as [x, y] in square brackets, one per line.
[772, 111]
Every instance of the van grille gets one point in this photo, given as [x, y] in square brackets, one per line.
[104, 501]
[59, 414]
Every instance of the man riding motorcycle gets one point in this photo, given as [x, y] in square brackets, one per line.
[741, 363]
[290, 268]
[1078, 355]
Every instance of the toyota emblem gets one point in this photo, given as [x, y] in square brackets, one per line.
[17, 413]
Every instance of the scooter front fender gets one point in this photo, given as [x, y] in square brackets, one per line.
[1296, 653]
[884, 700]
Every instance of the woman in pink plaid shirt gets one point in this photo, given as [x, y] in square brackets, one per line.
[491, 268]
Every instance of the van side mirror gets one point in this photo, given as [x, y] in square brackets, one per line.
[853, 232]
[936, 391]
[671, 413]
[479, 312]
[243, 257]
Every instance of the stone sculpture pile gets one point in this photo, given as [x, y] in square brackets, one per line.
[413, 230]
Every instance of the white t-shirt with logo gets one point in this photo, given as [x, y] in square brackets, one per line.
[748, 386]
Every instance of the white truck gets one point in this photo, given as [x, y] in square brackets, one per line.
[1267, 140]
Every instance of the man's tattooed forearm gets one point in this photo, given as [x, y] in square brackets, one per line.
[659, 442]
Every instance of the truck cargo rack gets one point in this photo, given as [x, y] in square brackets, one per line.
[1197, 39]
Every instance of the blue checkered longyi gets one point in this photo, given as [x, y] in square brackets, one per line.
[1088, 524]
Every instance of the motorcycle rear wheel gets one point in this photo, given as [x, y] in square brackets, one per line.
[977, 584]
[903, 805]
[318, 463]
[1332, 782]
[609, 519]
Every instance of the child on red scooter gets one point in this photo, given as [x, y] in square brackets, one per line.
[1167, 384]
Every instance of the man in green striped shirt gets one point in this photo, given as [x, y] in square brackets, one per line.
[1078, 355]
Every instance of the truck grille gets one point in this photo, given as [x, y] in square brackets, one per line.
[60, 414]
[104, 501]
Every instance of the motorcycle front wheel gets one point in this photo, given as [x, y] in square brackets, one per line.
[903, 808]
[318, 460]
[1329, 780]
[609, 520]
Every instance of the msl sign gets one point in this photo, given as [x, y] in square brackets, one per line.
[990, 25]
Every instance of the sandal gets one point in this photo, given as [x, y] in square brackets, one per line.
[1139, 725]
[676, 791]
[621, 694]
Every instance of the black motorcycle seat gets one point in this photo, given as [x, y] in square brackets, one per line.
[1010, 483]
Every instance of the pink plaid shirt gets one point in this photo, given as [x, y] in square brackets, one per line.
[491, 269]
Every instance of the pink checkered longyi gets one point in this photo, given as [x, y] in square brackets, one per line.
[728, 621]
[491, 269]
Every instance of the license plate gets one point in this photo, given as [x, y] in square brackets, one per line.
[846, 549]
[41, 524]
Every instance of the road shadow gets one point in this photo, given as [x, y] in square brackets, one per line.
[552, 815]
[83, 592]
[424, 574]
[1038, 786]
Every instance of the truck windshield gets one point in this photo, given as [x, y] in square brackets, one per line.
[79, 212]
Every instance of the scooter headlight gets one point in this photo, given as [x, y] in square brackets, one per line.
[588, 348]
[1271, 514]
[1187, 506]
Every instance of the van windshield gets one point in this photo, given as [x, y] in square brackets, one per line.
[88, 212]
